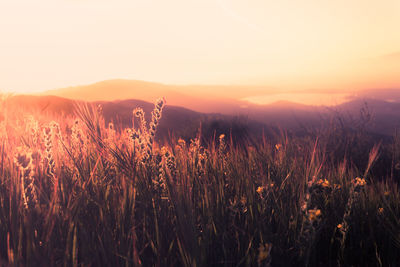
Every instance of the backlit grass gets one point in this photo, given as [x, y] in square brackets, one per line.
[77, 192]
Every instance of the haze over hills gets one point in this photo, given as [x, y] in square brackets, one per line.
[384, 115]
[382, 103]
[215, 110]
[204, 99]
[120, 96]
[389, 95]
[221, 99]
[122, 89]
[218, 98]
[176, 121]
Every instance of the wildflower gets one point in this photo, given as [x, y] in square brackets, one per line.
[339, 226]
[260, 190]
[139, 113]
[222, 136]
[353, 198]
[324, 183]
[23, 160]
[337, 186]
[360, 181]
[171, 165]
[278, 146]
[159, 181]
[48, 135]
[380, 210]
[155, 118]
[386, 193]
[314, 214]
[181, 143]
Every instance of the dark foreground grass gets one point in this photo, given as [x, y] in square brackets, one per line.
[78, 193]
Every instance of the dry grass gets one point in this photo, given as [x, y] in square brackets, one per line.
[79, 193]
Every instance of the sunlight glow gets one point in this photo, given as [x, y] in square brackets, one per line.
[345, 45]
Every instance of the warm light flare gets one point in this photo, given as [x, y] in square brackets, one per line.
[286, 45]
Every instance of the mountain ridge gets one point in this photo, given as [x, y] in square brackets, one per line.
[384, 116]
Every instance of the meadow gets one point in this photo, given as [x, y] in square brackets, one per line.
[79, 192]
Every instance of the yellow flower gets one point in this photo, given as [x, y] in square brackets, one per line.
[337, 186]
[222, 136]
[339, 226]
[323, 183]
[314, 214]
[278, 146]
[260, 189]
[380, 210]
[360, 181]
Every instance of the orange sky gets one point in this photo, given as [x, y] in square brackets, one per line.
[286, 44]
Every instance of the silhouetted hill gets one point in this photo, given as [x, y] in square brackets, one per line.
[226, 100]
[374, 105]
[182, 122]
[376, 116]
[176, 121]
[383, 116]
[206, 99]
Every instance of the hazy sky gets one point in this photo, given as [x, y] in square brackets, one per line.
[285, 44]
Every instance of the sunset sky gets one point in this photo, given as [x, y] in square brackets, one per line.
[286, 45]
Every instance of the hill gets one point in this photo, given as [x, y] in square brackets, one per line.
[377, 116]
[177, 121]
[207, 99]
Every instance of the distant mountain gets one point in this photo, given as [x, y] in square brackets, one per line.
[383, 116]
[176, 121]
[372, 104]
[380, 116]
[111, 90]
[207, 99]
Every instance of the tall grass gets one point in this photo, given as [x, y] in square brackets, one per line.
[78, 192]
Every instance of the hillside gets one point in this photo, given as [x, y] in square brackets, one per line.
[379, 116]
[177, 121]
[90, 196]
[207, 99]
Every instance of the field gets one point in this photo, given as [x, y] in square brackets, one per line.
[78, 192]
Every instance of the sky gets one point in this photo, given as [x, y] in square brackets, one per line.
[322, 45]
